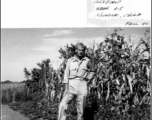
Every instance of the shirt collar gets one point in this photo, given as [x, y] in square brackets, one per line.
[76, 59]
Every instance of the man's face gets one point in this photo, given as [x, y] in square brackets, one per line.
[80, 51]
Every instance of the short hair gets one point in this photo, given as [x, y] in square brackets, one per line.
[80, 44]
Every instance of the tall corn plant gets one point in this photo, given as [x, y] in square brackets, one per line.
[41, 81]
[123, 73]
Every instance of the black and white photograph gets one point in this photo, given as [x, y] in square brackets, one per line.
[76, 73]
[76, 60]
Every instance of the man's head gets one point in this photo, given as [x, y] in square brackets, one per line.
[80, 49]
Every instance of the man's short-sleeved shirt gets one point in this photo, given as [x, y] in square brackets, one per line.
[76, 68]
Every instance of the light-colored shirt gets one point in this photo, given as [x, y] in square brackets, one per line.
[76, 68]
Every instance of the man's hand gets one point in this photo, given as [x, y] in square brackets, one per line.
[89, 82]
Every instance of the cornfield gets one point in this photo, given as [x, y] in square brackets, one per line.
[120, 90]
[13, 92]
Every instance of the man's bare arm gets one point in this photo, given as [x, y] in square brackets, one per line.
[66, 78]
[92, 69]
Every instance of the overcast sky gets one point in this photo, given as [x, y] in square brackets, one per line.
[22, 48]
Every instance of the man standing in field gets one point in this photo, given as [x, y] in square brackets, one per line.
[79, 70]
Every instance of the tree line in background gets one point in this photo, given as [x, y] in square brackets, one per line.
[121, 88]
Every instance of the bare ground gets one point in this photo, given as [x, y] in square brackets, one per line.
[8, 114]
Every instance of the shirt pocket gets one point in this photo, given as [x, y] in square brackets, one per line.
[84, 67]
[82, 71]
[73, 69]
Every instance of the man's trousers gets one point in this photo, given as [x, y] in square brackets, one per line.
[77, 87]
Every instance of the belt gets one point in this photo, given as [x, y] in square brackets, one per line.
[78, 78]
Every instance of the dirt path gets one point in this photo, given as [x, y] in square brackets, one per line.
[9, 114]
